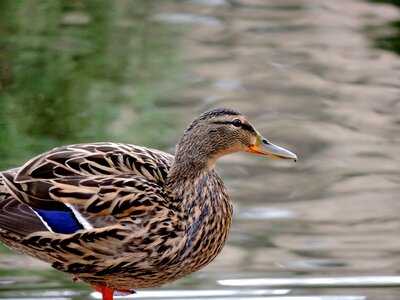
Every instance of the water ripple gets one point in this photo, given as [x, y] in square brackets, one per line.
[186, 18]
[201, 294]
[331, 282]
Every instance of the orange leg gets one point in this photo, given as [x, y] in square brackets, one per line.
[107, 292]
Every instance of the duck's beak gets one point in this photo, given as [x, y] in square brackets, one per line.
[263, 146]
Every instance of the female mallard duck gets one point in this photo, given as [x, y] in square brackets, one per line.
[119, 216]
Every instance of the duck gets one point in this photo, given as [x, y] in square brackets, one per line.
[121, 217]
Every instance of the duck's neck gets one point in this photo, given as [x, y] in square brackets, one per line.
[186, 176]
[194, 156]
[187, 168]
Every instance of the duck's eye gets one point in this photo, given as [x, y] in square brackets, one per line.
[237, 123]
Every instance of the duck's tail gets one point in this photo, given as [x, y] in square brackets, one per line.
[16, 217]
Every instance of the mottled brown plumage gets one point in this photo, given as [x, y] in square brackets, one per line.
[135, 217]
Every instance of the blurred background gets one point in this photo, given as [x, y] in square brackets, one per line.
[320, 78]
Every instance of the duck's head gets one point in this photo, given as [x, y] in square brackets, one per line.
[219, 132]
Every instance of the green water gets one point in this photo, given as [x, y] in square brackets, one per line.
[76, 71]
[319, 78]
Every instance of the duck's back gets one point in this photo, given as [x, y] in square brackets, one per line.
[97, 159]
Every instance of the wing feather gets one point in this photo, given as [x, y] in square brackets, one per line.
[118, 189]
[18, 217]
[97, 159]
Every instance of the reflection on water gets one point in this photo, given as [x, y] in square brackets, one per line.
[208, 294]
[307, 73]
[360, 281]
[265, 213]
[386, 37]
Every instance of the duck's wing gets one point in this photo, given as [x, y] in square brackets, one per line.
[85, 186]
[90, 205]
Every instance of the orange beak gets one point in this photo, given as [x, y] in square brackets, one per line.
[264, 147]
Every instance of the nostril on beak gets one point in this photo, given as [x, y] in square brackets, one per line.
[266, 142]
